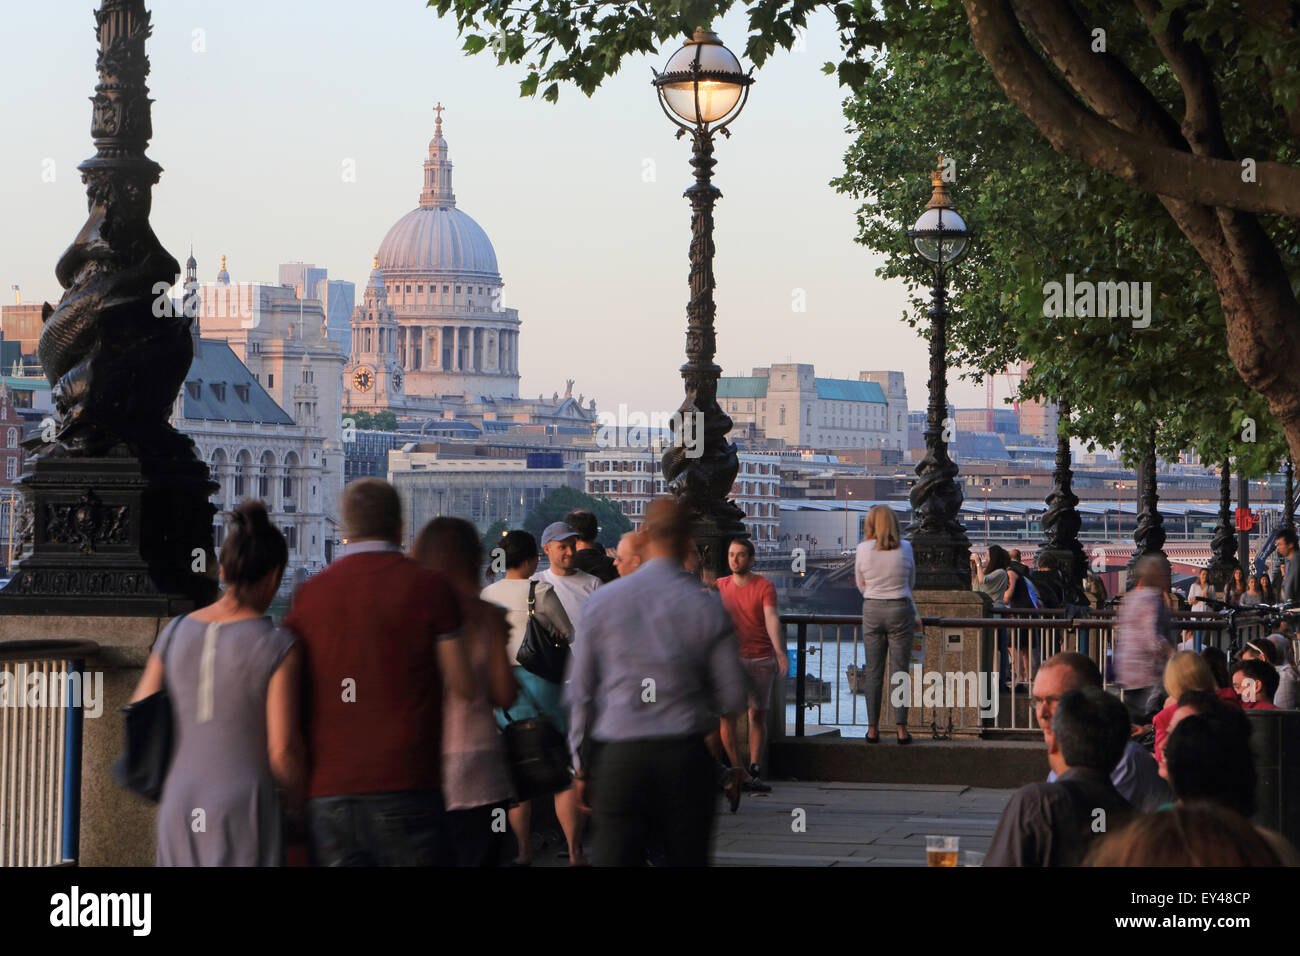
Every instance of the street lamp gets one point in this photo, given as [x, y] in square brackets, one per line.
[938, 538]
[1119, 509]
[848, 493]
[702, 90]
[987, 489]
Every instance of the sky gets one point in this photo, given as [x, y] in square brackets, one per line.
[292, 131]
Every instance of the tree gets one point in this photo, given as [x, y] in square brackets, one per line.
[385, 421]
[1168, 369]
[609, 517]
[492, 536]
[1195, 104]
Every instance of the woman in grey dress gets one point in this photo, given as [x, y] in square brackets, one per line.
[238, 756]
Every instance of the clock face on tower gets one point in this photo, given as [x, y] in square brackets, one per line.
[363, 379]
[396, 380]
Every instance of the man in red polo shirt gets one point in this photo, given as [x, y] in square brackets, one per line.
[750, 599]
[380, 636]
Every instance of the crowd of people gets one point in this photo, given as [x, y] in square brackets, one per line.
[371, 726]
[1110, 801]
[366, 729]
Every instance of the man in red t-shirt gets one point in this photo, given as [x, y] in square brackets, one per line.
[750, 599]
[380, 636]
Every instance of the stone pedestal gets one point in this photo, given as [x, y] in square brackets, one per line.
[113, 536]
[942, 560]
[117, 827]
[947, 650]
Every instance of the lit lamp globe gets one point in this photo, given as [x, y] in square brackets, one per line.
[703, 83]
[940, 235]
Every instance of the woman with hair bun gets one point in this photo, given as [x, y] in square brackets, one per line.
[238, 760]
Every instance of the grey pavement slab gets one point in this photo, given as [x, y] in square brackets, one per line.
[849, 824]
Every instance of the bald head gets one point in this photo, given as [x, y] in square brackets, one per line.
[628, 555]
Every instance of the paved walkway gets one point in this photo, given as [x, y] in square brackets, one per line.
[854, 824]
[847, 824]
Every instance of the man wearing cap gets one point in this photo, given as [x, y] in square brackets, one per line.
[572, 586]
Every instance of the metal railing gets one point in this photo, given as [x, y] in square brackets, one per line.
[1008, 651]
[40, 751]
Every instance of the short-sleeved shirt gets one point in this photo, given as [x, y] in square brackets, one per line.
[745, 605]
[369, 625]
[572, 589]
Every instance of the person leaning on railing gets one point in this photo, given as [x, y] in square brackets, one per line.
[996, 579]
[885, 573]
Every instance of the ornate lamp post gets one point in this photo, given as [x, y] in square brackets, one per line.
[1288, 506]
[116, 517]
[1149, 535]
[1061, 521]
[1223, 546]
[986, 489]
[941, 548]
[1119, 509]
[702, 90]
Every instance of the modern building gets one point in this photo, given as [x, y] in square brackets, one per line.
[29, 393]
[337, 298]
[631, 478]
[480, 490]
[1038, 420]
[21, 324]
[789, 402]
[432, 321]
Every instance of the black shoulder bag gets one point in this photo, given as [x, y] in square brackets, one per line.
[542, 651]
[147, 750]
[538, 753]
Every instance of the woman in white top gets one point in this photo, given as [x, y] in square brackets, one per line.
[537, 696]
[1201, 590]
[1196, 596]
[886, 573]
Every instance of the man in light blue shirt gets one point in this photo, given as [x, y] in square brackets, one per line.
[1137, 775]
[655, 663]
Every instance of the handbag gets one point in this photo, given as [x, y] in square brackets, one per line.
[542, 651]
[538, 754]
[147, 749]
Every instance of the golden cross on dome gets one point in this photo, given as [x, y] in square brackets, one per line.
[438, 109]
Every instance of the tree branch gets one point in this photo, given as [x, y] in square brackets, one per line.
[1078, 132]
[1103, 80]
[1202, 119]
